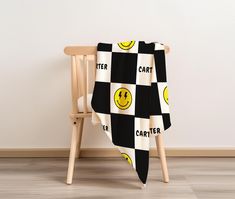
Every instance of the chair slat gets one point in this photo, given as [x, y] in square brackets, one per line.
[80, 82]
[74, 84]
[80, 74]
[85, 65]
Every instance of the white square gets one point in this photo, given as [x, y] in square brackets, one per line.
[156, 125]
[117, 47]
[103, 66]
[159, 46]
[163, 96]
[154, 75]
[105, 121]
[144, 69]
[141, 133]
[122, 98]
[128, 153]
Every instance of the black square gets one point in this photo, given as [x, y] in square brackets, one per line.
[123, 130]
[159, 57]
[101, 97]
[142, 101]
[166, 120]
[146, 48]
[123, 69]
[155, 106]
[104, 47]
[142, 164]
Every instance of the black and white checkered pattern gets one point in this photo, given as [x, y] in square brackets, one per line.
[142, 70]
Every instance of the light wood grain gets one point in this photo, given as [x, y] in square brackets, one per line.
[113, 178]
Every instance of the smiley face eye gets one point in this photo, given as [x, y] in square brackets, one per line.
[125, 95]
[120, 94]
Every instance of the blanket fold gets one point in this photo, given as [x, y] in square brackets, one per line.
[130, 98]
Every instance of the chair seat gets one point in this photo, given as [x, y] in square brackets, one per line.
[80, 103]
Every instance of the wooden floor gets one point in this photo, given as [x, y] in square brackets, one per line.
[109, 178]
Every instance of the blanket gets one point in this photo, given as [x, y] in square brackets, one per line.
[130, 98]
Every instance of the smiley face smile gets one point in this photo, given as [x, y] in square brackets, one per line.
[122, 105]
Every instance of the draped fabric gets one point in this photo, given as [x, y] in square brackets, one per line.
[130, 98]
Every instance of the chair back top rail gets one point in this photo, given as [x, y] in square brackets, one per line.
[89, 50]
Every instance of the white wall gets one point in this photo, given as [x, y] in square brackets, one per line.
[35, 76]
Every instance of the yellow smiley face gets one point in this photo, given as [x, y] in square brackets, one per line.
[127, 157]
[127, 45]
[165, 94]
[122, 98]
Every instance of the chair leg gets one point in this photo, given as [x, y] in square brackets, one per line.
[162, 156]
[72, 155]
[79, 140]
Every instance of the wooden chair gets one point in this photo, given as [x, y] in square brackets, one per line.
[82, 85]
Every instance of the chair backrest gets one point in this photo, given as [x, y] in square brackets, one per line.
[83, 61]
[83, 67]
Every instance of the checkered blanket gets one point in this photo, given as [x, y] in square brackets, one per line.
[130, 98]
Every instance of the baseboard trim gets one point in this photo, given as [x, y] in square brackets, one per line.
[112, 152]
